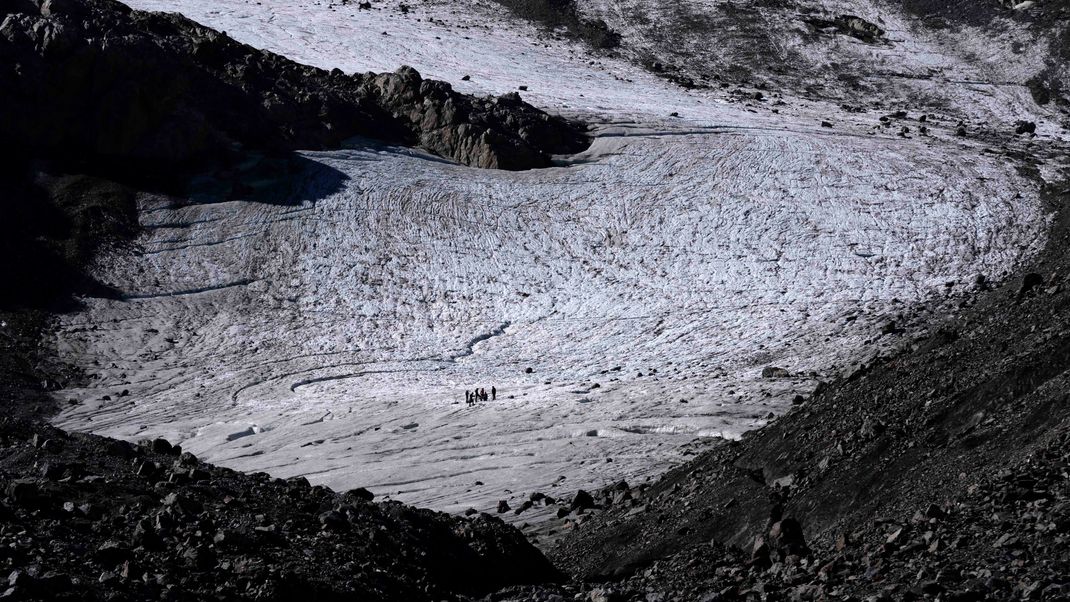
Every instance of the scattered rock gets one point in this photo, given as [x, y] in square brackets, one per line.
[604, 595]
[161, 446]
[775, 372]
[582, 501]
[1030, 283]
[1025, 127]
[361, 494]
[23, 492]
[121, 536]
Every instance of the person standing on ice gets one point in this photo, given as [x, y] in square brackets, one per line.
[467, 397]
[493, 393]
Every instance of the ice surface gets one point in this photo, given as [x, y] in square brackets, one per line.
[645, 282]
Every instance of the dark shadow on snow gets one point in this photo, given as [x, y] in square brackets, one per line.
[289, 180]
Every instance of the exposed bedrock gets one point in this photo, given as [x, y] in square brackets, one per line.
[97, 82]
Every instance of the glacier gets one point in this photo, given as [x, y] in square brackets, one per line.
[623, 303]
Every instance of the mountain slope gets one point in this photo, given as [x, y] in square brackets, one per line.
[927, 425]
[647, 283]
[712, 258]
[90, 518]
[98, 82]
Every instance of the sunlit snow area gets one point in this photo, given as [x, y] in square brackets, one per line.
[646, 282]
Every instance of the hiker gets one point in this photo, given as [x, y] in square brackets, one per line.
[493, 393]
[483, 394]
[467, 398]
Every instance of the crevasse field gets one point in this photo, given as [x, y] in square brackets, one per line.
[645, 282]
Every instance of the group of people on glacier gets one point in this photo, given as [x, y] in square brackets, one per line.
[471, 397]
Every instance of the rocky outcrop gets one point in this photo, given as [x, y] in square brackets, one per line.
[95, 82]
[503, 132]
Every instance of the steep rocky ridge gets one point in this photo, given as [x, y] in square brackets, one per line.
[94, 81]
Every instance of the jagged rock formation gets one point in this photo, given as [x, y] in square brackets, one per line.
[502, 133]
[95, 82]
[90, 518]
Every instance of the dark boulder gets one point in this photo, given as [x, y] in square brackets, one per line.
[112, 553]
[52, 470]
[582, 501]
[118, 447]
[1030, 282]
[333, 520]
[786, 536]
[23, 492]
[361, 494]
[161, 446]
[775, 372]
